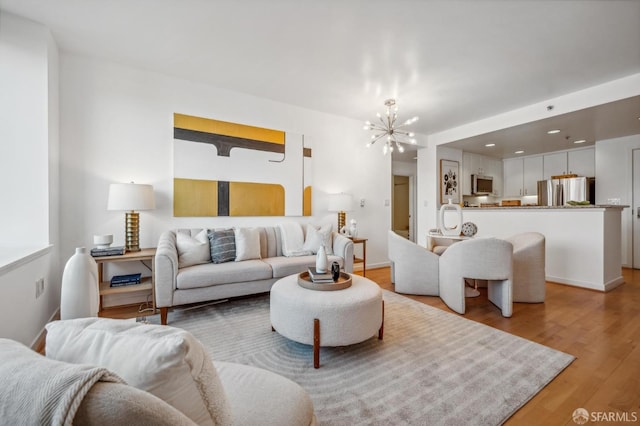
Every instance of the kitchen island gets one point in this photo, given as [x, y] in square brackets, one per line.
[583, 243]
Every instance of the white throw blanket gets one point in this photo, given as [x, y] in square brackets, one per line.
[35, 390]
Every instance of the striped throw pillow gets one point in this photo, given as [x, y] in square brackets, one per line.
[223, 245]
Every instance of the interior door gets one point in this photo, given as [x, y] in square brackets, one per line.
[635, 204]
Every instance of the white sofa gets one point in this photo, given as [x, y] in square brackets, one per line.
[176, 286]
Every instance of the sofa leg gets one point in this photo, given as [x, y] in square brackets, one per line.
[163, 315]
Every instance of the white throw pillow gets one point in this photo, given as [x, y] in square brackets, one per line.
[165, 361]
[292, 239]
[247, 243]
[192, 250]
[316, 237]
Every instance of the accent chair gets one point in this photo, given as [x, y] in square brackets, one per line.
[529, 281]
[414, 269]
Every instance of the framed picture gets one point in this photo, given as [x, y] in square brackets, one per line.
[449, 182]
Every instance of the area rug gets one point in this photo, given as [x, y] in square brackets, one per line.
[432, 368]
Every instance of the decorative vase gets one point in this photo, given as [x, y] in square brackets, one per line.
[335, 271]
[322, 261]
[454, 230]
[469, 229]
[80, 294]
[353, 228]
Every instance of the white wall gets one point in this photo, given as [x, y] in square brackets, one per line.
[117, 126]
[614, 178]
[29, 220]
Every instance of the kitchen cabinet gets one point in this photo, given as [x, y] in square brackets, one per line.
[481, 165]
[521, 176]
[577, 161]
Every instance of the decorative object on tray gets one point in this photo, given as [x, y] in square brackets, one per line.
[322, 261]
[449, 188]
[450, 230]
[124, 280]
[344, 281]
[109, 251]
[469, 229]
[79, 294]
[335, 271]
[103, 241]
[353, 228]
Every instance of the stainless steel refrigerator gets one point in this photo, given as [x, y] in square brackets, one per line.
[557, 192]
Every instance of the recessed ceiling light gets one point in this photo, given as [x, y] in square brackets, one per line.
[490, 144]
[519, 152]
[553, 132]
[580, 141]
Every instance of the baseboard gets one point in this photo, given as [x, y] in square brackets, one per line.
[39, 344]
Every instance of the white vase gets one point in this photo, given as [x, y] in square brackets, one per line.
[80, 293]
[322, 262]
[451, 230]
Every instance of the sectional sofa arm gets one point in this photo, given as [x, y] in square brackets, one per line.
[343, 247]
[166, 269]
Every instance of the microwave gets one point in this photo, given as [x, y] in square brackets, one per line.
[481, 185]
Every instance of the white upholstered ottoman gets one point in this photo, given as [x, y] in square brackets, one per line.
[327, 318]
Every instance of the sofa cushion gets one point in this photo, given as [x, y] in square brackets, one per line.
[316, 237]
[164, 361]
[223, 245]
[222, 273]
[192, 249]
[292, 239]
[247, 244]
[283, 266]
[260, 397]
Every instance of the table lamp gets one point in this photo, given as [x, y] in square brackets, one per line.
[131, 197]
[340, 203]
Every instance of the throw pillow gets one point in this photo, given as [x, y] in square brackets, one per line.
[192, 250]
[223, 245]
[316, 237]
[247, 243]
[165, 361]
[292, 239]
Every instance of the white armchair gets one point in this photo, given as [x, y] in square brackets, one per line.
[483, 258]
[414, 269]
[529, 276]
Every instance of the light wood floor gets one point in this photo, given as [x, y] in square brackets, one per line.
[602, 330]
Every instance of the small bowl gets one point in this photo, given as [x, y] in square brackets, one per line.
[103, 241]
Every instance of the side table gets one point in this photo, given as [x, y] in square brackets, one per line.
[363, 259]
[146, 284]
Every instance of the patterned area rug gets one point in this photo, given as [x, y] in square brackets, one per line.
[432, 368]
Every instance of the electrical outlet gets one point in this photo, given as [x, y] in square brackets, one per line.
[39, 287]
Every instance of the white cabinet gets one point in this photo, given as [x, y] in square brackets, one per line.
[555, 164]
[521, 176]
[578, 161]
[532, 173]
[582, 162]
[476, 164]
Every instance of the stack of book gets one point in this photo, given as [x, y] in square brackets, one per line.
[109, 251]
[320, 277]
[122, 280]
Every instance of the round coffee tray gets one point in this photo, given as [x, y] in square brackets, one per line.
[344, 281]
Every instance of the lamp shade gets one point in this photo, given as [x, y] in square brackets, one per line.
[131, 196]
[340, 202]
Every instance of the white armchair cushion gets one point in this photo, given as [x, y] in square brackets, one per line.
[193, 250]
[315, 237]
[164, 361]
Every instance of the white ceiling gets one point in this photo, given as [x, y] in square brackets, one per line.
[449, 62]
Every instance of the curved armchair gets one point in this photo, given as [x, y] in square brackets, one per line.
[414, 269]
[529, 281]
[482, 258]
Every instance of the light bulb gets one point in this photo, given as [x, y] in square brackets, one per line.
[400, 148]
[411, 134]
[413, 141]
[368, 145]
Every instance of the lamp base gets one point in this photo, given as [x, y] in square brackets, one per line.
[341, 220]
[132, 231]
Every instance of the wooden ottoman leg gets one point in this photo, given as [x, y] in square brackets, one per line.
[273, 329]
[316, 343]
[163, 315]
[381, 331]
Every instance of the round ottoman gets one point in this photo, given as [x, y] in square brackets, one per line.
[327, 318]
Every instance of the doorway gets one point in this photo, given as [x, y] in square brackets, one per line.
[635, 209]
[402, 216]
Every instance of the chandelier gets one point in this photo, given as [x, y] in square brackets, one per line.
[388, 129]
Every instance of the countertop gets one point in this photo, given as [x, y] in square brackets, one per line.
[596, 206]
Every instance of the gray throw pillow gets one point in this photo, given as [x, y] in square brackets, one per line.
[223, 245]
